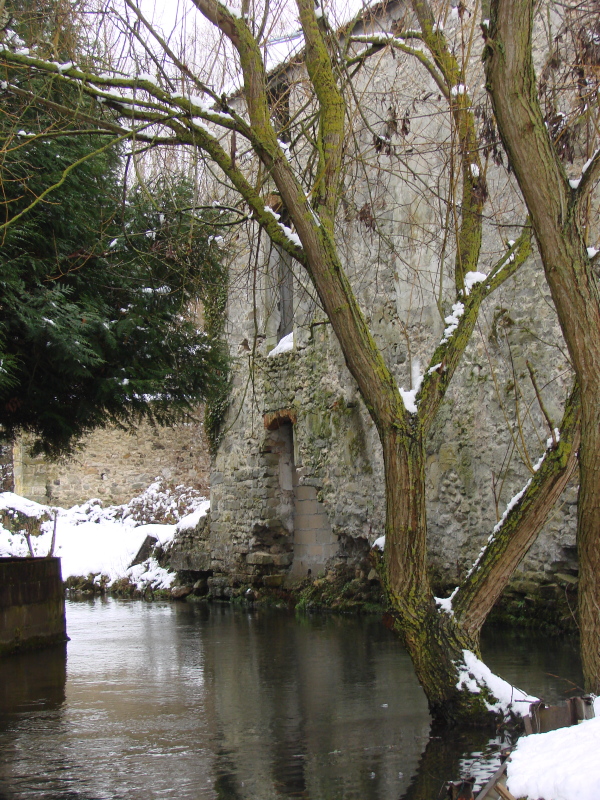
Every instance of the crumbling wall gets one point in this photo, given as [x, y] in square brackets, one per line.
[476, 455]
[490, 430]
[114, 465]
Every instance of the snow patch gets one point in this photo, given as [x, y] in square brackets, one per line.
[150, 575]
[445, 603]
[475, 676]
[452, 321]
[290, 235]
[561, 764]
[284, 345]
[409, 396]
[471, 278]
[10, 501]
[191, 520]
[198, 122]
[574, 183]
[101, 541]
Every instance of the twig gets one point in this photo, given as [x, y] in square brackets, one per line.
[541, 403]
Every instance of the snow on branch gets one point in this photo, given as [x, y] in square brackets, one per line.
[500, 697]
[594, 161]
[409, 396]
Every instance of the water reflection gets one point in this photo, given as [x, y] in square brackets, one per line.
[41, 680]
[171, 700]
[326, 707]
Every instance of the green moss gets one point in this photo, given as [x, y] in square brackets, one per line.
[341, 592]
[214, 300]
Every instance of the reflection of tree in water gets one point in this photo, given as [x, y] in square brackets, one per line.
[445, 751]
[289, 763]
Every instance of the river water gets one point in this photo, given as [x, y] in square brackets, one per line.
[171, 700]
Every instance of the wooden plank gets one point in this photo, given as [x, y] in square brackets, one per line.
[504, 793]
[582, 708]
[487, 792]
[543, 718]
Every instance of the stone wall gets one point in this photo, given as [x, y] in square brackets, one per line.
[115, 466]
[297, 434]
[258, 525]
[32, 604]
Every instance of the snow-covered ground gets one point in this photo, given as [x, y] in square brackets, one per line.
[558, 765]
[92, 540]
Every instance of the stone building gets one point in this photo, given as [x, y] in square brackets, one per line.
[297, 484]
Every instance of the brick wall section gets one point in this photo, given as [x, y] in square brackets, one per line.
[116, 466]
[32, 604]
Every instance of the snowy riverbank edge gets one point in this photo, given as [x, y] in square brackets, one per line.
[559, 765]
[102, 542]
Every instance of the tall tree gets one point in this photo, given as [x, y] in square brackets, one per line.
[97, 284]
[560, 212]
[202, 119]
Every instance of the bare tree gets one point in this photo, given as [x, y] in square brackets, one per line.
[180, 105]
[561, 210]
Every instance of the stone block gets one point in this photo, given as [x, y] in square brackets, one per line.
[306, 493]
[181, 592]
[283, 559]
[273, 581]
[314, 522]
[563, 577]
[259, 559]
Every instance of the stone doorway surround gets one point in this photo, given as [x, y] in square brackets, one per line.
[299, 509]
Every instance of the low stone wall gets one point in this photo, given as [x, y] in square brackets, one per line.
[32, 603]
[115, 466]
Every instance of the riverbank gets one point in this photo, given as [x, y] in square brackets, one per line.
[124, 551]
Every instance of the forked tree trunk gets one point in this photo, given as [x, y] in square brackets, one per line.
[432, 637]
[555, 208]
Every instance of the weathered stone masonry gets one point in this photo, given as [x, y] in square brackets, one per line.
[297, 482]
[114, 465]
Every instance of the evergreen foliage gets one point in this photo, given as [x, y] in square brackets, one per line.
[97, 294]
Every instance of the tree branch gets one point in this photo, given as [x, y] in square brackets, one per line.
[448, 353]
[518, 529]
[331, 118]
[63, 178]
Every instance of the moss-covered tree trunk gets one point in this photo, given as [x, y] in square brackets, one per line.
[556, 208]
[434, 638]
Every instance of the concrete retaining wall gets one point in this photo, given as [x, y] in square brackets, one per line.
[32, 603]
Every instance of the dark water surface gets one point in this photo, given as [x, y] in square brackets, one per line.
[172, 700]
